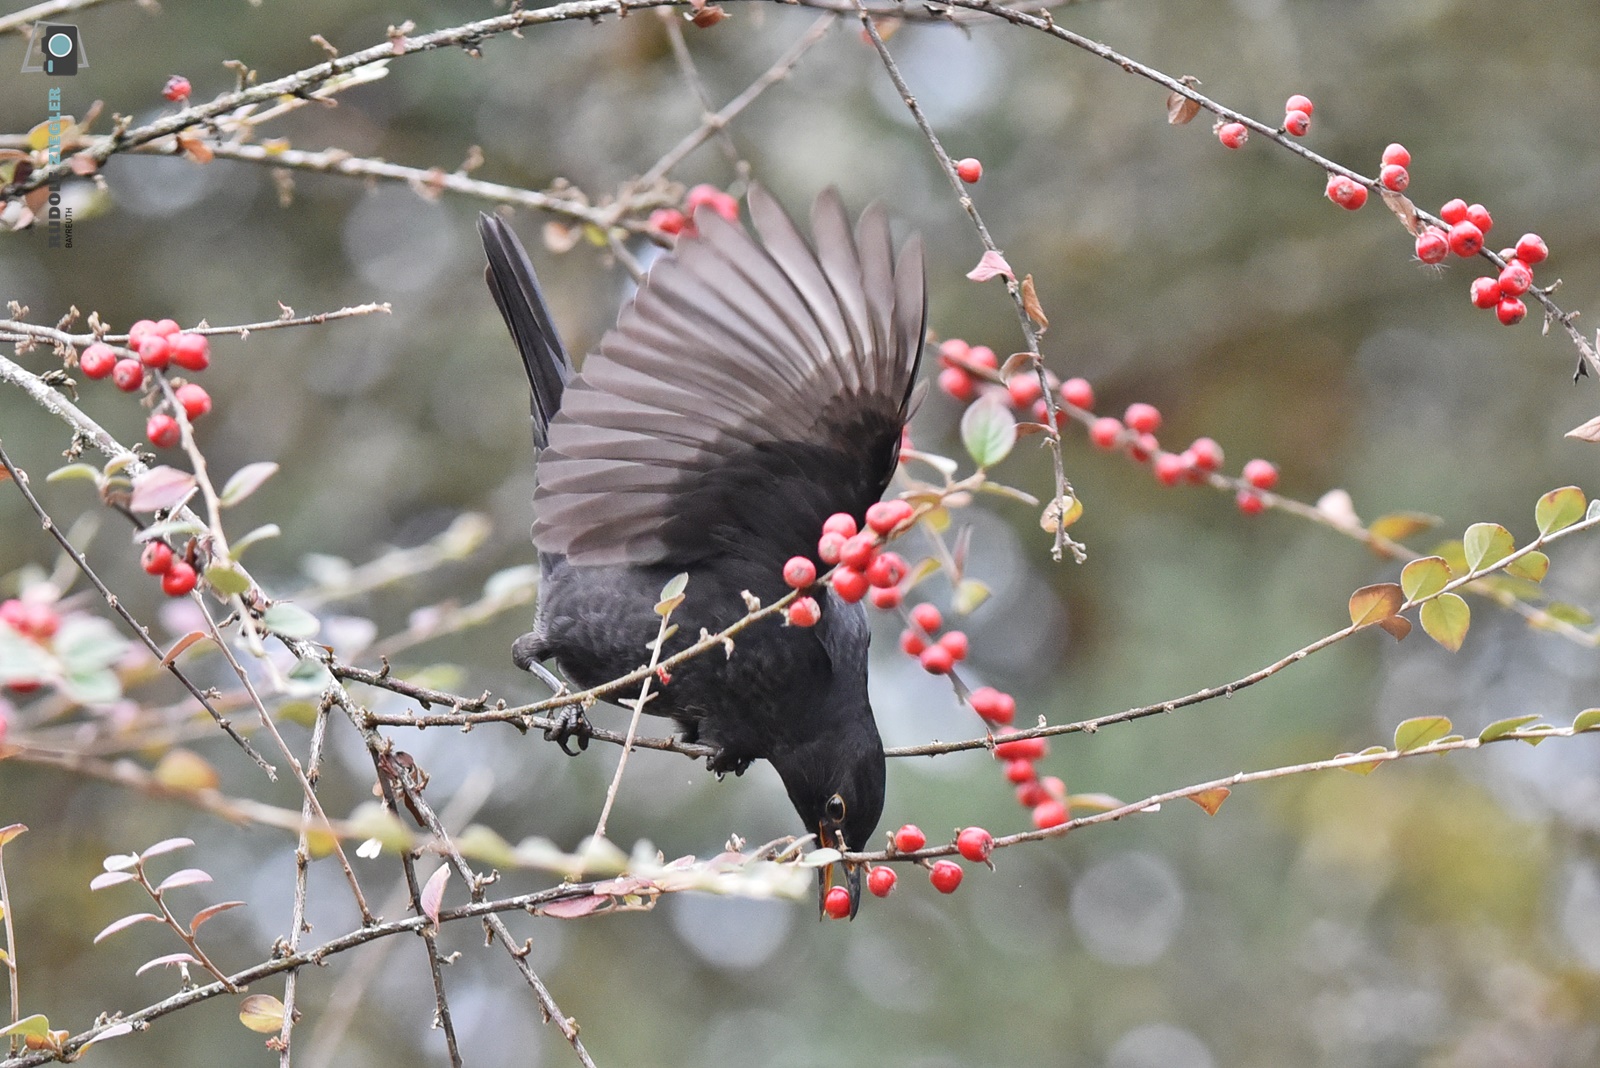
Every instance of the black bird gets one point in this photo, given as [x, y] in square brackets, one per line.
[747, 392]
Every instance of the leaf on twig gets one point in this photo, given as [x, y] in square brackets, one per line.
[1211, 799]
[1424, 577]
[1370, 604]
[1405, 210]
[1558, 509]
[123, 924]
[290, 620]
[433, 894]
[991, 265]
[1446, 619]
[166, 845]
[182, 959]
[1419, 731]
[159, 488]
[1486, 544]
[1181, 109]
[1501, 727]
[246, 481]
[1396, 626]
[988, 430]
[262, 1013]
[10, 831]
[110, 878]
[573, 908]
[672, 594]
[180, 645]
[184, 877]
[1031, 305]
[1589, 431]
[212, 910]
[1365, 767]
[1398, 526]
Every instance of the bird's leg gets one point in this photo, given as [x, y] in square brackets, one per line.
[570, 720]
[723, 761]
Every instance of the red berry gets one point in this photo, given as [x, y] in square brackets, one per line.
[1049, 813]
[14, 614]
[1145, 418]
[880, 880]
[1296, 123]
[1432, 246]
[1531, 249]
[1105, 432]
[1170, 468]
[167, 328]
[1397, 155]
[829, 546]
[1233, 134]
[1515, 279]
[176, 89]
[1299, 102]
[912, 642]
[886, 515]
[1466, 239]
[842, 523]
[1019, 771]
[154, 351]
[1395, 177]
[139, 330]
[37, 620]
[1024, 389]
[1262, 474]
[1485, 292]
[858, 551]
[850, 584]
[945, 876]
[969, 170]
[1020, 748]
[936, 660]
[957, 384]
[976, 844]
[1453, 211]
[128, 374]
[1511, 311]
[994, 705]
[954, 643]
[887, 570]
[1030, 793]
[1078, 393]
[837, 903]
[192, 352]
[953, 352]
[803, 612]
[1143, 447]
[1249, 502]
[179, 579]
[156, 558]
[928, 617]
[1207, 454]
[20, 686]
[1346, 192]
[1478, 216]
[909, 839]
[194, 398]
[799, 572]
[162, 430]
[667, 221]
[983, 356]
[714, 198]
[886, 597]
[97, 360]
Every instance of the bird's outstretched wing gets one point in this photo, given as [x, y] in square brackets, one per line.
[747, 392]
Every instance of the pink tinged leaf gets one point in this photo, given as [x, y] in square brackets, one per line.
[125, 922]
[166, 845]
[110, 878]
[120, 861]
[1589, 431]
[212, 910]
[573, 909]
[186, 877]
[168, 961]
[433, 893]
[114, 1031]
[10, 831]
[992, 265]
[160, 487]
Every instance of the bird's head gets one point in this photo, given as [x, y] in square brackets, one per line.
[836, 783]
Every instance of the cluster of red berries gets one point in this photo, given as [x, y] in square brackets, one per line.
[969, 170]
[1044, 797]
[35, 621]
[155, 345]
[863, 566]
[178, 574]
[1297, 115]
[962, 377]
[177, 89]
[673, 221]
[938, 656]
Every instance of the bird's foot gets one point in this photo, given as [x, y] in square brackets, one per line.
[722, 761]
[570, 724]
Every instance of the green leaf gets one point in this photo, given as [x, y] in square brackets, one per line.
[969, 594]
[261, 533]
[1504, 726]
[1370, 604]
[170, 528]
[672, 594]
[1559, 508]
[73, 472]
[1420, 731]
[291, 620]
[1587, 720]
[246, 481]
[1531, 566]
[1424, 577]
[1487, 543]
[1401, 525]
[1569, 613]
[1366, 767]
[1452, 554]
[226, 578]
[1593, 511]
[35, 1026]
[1446, 619]
[988, 430]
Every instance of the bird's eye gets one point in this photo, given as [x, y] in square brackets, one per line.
[835, 808]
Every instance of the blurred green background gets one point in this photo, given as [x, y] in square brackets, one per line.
[1443, 913]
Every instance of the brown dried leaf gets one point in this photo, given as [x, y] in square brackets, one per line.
[1211, 799]
[180, 645]
[1371, 604]
[1406, 211]
[708, 16]
[1181, 109]
[1398, 626]
[1030, 304]
[196, 149]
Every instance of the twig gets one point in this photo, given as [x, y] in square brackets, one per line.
[19, 20]
[697, 85]
[21, 479]
[302, 866]
[16, 330]
[13, 976]
[633, 725]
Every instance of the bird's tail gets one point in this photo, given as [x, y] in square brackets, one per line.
[516, 293]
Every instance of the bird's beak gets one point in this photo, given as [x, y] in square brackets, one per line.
[852, 874]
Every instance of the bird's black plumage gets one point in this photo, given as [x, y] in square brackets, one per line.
[748, 391]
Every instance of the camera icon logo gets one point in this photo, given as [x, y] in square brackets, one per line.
[55, 49]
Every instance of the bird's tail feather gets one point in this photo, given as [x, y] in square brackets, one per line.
[516, 293]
